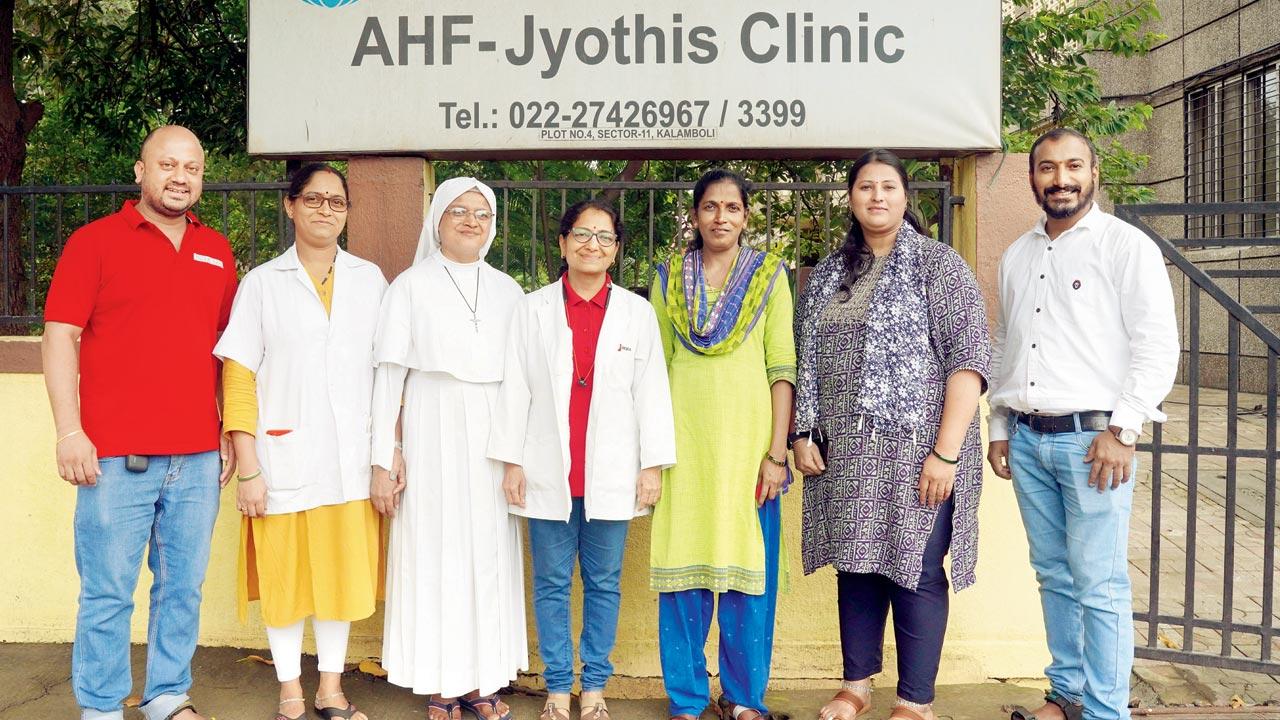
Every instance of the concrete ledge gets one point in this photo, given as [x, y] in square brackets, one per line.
[20, 355]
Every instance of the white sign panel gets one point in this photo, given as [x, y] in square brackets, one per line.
[573, 78]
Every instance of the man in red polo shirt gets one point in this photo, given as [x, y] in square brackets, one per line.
[144, 293]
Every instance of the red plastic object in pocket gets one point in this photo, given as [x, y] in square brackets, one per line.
[278, 433]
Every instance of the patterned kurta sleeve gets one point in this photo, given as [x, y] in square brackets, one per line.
[779, 339]
[958, 318]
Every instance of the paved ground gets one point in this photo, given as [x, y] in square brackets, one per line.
[1196, 525]
[34, 683]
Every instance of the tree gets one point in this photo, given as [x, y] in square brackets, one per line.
[1048, 81]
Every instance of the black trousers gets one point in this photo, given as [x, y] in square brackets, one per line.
[919, 619]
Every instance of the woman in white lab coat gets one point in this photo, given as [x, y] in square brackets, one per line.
[455, 627]
[297, 385]
[584, 426]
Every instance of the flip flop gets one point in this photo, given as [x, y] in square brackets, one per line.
[473, 706]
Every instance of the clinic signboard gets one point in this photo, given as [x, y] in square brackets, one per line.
[583, 79]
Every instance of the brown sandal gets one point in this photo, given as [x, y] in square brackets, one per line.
[553, 712]
[902, 712]
[848, 696]
[597, 712]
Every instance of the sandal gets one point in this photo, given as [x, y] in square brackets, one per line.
[725, 709]
[281, 716]
[845, 695]
[902, 712]
[329, 713]
[552, 712]
[451, 709]
[597, 712]
[491, 701]
[1070, 710]
[185, 706]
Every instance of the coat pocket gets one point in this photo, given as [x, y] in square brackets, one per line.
[286, 459]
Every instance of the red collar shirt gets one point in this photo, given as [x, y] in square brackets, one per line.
[585, 318]
[151, 316]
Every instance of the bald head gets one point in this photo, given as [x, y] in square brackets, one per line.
[169, 171]
[166, 134]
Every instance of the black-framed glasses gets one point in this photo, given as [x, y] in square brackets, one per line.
[604, 237]
[337, 203]
[458, 213]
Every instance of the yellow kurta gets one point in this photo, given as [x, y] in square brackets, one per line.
[326, 561]
[706, 530]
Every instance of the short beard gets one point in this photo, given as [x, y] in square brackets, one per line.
[160, 205]
[1086, 200]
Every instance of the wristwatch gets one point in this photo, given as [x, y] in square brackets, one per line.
[1126, 436]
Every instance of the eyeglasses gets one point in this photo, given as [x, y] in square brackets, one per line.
[604, 237]
[481, 215]
[337, 203]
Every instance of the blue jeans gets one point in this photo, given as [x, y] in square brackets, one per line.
[171, 506]
[1079, 549]
[598, 547]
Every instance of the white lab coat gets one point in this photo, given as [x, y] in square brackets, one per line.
[630, 422]
[314, 377]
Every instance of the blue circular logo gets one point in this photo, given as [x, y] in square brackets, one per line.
[330, 3]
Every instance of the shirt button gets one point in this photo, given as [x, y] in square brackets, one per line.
[1033, 346]
[1042, 277]
[1033, 383]
[1037, 309]
[1050, 248]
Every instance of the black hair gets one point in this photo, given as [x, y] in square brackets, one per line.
[1057, 134]
[709, 178]
[570, 218]
[857, 256]
[303, 175]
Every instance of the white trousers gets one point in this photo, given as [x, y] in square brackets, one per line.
[286, 647]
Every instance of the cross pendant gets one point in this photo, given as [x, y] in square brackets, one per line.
[475, 322]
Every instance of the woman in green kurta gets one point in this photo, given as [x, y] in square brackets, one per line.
[725, 314]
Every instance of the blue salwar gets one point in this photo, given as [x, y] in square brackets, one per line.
[746, 635]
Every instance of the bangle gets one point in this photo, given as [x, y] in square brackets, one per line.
[247, 478]
[780, 463]
[64, 437]
[944, 458]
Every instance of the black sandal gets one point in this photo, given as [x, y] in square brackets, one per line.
[473, 706]
[1070, 710]
[330, 713]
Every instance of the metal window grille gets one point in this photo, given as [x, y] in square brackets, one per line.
[1233, 151]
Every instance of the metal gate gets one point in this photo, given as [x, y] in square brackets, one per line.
[1207, 551]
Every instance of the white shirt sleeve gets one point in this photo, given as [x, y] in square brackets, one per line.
[243, 339]
[511, 413]
[1148, 313]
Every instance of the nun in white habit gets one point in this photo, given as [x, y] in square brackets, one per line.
[455, 626]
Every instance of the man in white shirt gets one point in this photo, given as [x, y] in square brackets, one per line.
[1086, 348]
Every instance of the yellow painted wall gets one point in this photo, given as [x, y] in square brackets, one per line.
[995, 629]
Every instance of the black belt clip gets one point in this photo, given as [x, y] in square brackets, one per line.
[1075, 422]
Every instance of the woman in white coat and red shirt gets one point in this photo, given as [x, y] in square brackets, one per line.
[584, 427]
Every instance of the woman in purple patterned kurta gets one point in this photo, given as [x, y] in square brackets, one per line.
[893, 354]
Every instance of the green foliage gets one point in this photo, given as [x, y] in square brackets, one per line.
[121, 67]
[1049, 83]
[109, 70]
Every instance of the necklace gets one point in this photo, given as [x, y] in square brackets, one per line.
[327, 273]
[475, 322]
[582, 379]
